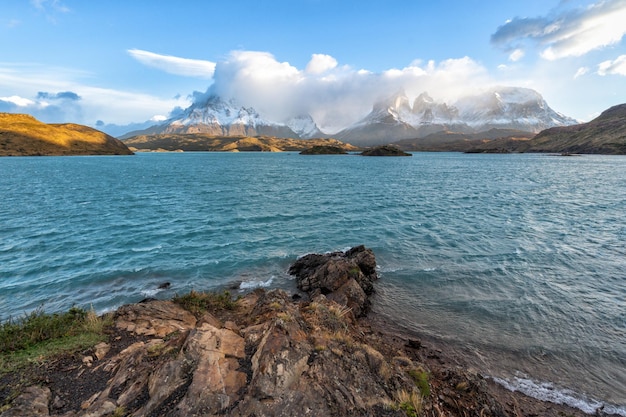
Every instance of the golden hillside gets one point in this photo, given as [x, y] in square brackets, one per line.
[206, 142]
[23, 135]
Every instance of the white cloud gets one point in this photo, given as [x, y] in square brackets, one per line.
[175, 65]
[50, 94]
[18, 101]
[516, 55]
[54, 5]
[581, 71]
[615, 67]
[340, 95]
[320, 63]
[568, 32]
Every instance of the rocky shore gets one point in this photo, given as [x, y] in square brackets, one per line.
[268, 353]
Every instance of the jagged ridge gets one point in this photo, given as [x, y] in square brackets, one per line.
[395, 119]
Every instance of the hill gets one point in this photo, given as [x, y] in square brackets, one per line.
[23, 135]
[460, 142]
[606, 134]
[206, 142]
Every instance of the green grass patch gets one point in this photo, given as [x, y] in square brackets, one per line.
[38, 336]
[420, 377]
[199, 303]
[410, 402]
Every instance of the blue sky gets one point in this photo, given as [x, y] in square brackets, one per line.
[132, 60]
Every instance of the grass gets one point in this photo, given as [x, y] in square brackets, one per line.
[410, 402]
[39, 336]
[420, 377]
[199, 303]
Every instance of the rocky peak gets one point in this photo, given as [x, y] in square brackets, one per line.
[429, 111]
[395, 104]
[305, 127]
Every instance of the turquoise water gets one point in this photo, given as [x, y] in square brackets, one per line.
[517, 260]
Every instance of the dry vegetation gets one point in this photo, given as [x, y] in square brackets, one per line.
[23, 135]
[205, 142]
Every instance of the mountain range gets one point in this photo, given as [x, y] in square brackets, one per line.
[503, 108]
[606, 134]
[217, 116]
[392, 119]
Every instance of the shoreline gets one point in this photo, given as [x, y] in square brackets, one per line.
[439, 358]
[319, 348]
[440, 354]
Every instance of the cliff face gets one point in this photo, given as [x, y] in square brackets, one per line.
[314, 353]
[23, 135]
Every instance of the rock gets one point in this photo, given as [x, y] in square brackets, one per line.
[345, 277]
[216, 381]
[269, 356]
[385, 150]
[154, 318]
[324, 150]
[57, 403]
[164, 286]
[32, 402]
[101, 350]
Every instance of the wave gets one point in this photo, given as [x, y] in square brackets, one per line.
[249, 285]
[546, 391]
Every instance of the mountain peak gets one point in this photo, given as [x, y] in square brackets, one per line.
[396, 103]
[521, 109]
[215, 115]
[423, 98]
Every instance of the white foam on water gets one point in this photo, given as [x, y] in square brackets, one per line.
[546, 391]
[146, 248]
[248, 285]
[151, 292]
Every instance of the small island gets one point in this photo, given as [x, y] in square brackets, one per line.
[385, 150]
[324, 150]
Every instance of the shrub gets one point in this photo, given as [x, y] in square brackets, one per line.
[38, 336]
[199, 303]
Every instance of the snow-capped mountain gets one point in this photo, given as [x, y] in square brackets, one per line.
[390, 120]
[305, 127]
[216, 116]
[394, 119]
[510, 108]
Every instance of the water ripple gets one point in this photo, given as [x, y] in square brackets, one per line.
[518, 258]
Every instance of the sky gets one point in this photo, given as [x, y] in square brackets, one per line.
[129, 61]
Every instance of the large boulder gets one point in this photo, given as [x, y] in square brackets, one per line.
[345, 277]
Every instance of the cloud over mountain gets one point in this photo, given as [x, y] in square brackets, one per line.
[336, 96]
